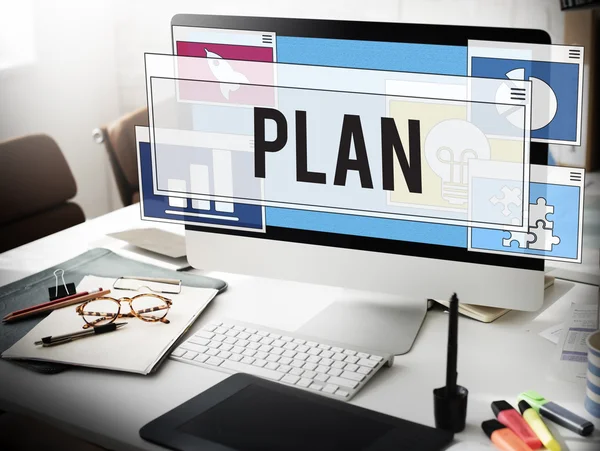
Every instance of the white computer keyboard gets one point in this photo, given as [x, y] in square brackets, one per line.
[329, 369]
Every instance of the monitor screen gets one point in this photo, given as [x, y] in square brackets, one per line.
[391, 47]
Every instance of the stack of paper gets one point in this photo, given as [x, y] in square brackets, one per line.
[138, 347]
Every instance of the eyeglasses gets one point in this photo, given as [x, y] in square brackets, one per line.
[105, 310]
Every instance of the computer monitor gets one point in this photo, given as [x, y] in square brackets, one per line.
[396, 265]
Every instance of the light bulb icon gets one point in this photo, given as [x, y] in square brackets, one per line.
[449, 147]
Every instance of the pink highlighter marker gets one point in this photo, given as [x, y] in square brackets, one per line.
[509, 417]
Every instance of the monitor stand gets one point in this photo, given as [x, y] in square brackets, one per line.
[374, 321]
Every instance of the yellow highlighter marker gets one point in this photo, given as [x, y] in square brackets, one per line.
[536, 423]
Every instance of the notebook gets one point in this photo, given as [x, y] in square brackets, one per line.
[138, 347]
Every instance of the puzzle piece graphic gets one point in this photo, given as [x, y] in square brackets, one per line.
[523, 238]
[544, 240]
[511, 196]
[538, 212]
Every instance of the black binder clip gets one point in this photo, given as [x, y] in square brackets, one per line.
[58, 292]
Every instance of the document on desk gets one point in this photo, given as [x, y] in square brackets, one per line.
[136, 348]
[571, 356]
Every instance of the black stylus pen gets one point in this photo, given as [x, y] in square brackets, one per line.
[451, 374]
[67, 338]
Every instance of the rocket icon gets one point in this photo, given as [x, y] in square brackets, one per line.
[224, 73]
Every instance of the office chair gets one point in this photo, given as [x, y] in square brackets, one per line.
[119, 140]
[36, 185]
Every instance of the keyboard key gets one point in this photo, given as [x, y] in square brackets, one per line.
[265, 348]
[271, 366]
[230, 340]
[376, 358]
[316, 386]
[277, 351]
[251, 331]
[275, 336]
[201, 358]
[330, 388]
[304, 382]
[232, 333]
[339, 356]
[352, 359]
[247, 360]
[214, 344]
[236, 357]
[349, 352]
[211, 327]
[272, 358]
[321, 377]
[309, 366]
[289, 353]
[326, 347]
[220, 330]
[297, 363]
[249, 352]
[189, 355]
[261, 355]
[296, 371]
[367, 362]
[326, 362]
[255, 370]
[301, 356]
[313, 359]
[290, 379]
[342, 393]
[224, 354]
[198, 341]
[312, 344]
[309, 374]
[243, 335]
[322, 369]
[314, 351]
[262, 333]
[338, 364]
[287, 339]
[205, 334]
[242, 343]
[219, 337]
[302, 348]
[178, 352]
[326, 354]
[278, 343]
[212, 351]
[362, 355]
[254, 338]
[299, 341]
[353, 376]
[259, 362]
[290, 345]
[237, 349]
[266, 340]
[353, 367]
[285, 360]
[214, 361]
[336, 349]
[253, 345]
[334, 372]
[225, 347]
[239, 328]
[343, 382]
[284, 368]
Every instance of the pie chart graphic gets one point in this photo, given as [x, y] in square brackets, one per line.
[543, 101]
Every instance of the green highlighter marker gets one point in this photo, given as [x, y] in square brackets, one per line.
[556, 413]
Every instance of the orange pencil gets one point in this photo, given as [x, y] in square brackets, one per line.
[66, 303]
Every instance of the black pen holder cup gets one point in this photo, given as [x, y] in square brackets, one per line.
[450, 411]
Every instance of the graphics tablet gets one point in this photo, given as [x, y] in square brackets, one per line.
[246, 413]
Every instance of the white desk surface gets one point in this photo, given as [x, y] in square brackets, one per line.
[496, 361]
